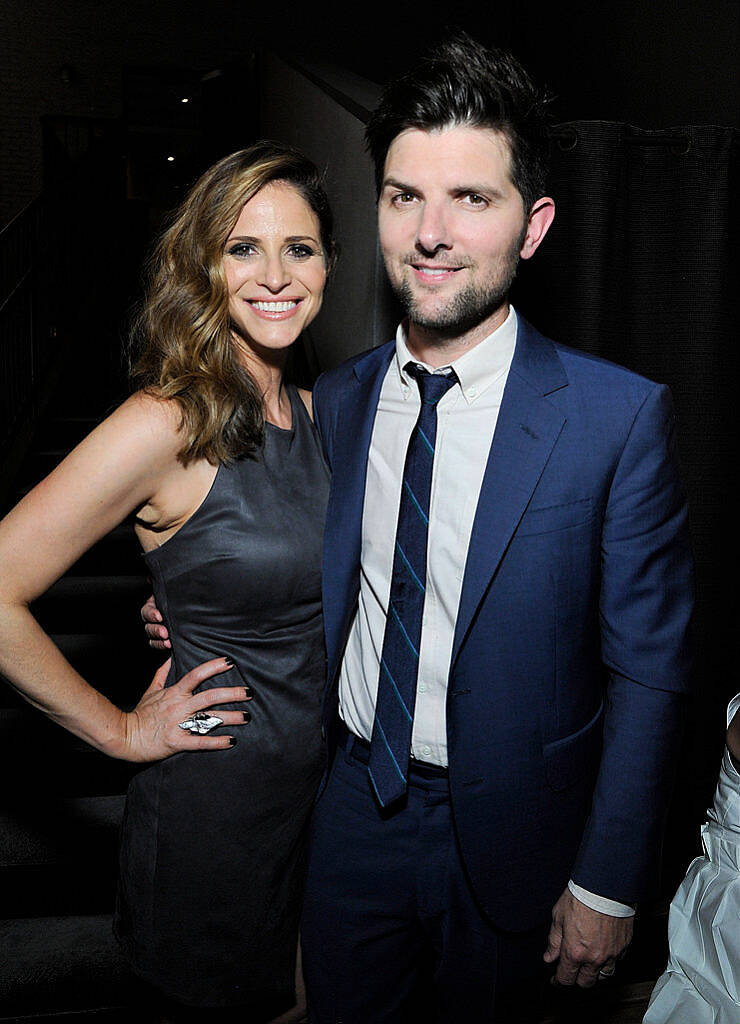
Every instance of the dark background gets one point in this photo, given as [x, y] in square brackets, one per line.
[656, 64]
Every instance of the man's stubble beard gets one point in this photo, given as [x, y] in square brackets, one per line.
[469, 307]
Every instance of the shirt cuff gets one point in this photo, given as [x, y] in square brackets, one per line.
[601, 903]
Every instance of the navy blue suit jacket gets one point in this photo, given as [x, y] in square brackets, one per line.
[570, 656]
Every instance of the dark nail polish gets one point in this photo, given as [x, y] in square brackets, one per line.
[247, 716]
[229, 662]
[232, 741]
[249, 691]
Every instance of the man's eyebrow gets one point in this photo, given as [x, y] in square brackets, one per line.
[489, 191]
[483, 189]
[395, 183]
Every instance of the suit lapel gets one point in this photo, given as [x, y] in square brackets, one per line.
[343, 534]
[527, 428]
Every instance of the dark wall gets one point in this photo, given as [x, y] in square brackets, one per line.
[651, 64]
[654, 64]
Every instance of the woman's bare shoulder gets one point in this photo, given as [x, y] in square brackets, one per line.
[142, 423]
[151, 412]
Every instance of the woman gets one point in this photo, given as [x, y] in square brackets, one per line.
[218, 460]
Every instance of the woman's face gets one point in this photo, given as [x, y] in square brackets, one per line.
[275, 269]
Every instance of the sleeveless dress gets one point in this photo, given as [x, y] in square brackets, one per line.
[213, 843]
[701, 984]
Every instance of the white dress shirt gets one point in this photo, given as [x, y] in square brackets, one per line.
[466, 421]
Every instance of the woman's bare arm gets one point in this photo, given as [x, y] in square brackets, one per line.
[118, 469]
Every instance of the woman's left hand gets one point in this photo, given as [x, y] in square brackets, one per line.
[152, 730]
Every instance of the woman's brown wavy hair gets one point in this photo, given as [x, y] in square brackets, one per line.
[182, 331]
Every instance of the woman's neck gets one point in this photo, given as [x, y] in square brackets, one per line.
[267, 374]
[276, 405]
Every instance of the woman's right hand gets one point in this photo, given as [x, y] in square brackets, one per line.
[154, 627]
[152, 730]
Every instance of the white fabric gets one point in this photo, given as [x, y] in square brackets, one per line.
[701, 984]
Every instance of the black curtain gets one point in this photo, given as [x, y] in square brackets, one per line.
[642, 267]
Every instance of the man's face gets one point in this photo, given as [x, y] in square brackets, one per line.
[452, 227]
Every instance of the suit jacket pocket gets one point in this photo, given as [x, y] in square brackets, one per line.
[569, 759]
[549, 518]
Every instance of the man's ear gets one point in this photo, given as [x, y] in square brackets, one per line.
[540, 218]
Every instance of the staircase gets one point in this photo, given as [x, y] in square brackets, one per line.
[60, 800]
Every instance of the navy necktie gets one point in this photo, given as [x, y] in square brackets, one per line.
[390, 746]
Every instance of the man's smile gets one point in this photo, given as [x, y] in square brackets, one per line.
[432, 273]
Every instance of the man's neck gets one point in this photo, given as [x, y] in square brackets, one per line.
[440, 348]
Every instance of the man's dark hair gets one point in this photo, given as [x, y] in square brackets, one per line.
[462, 82]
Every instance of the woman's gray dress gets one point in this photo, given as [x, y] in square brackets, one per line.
[213, 843]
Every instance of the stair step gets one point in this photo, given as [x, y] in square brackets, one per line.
[60, 965]
[64, 432]
[37, 465]
[67, 830]
[87, 603]
[120, 665]
[38, 758]
[610, 1003]
[118, 553]
[59, 856]
[74, 398]
[53, 439]
[121, 671]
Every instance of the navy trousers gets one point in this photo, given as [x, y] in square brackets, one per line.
[391, 931]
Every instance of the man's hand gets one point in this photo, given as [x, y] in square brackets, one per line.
[584, 941]
[154, 628]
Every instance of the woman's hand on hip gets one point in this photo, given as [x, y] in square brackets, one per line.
[153, 731]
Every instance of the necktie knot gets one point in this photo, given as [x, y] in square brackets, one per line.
[432, 386]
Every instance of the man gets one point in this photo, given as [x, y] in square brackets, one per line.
[507, 593]
[545, 603]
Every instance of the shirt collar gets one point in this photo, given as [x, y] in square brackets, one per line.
[477, 369]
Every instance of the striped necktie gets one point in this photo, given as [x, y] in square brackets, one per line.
[390, 746]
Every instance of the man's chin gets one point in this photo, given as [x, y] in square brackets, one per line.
[431, 312]
[431, 319]
[448, 324]
[450, 314]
